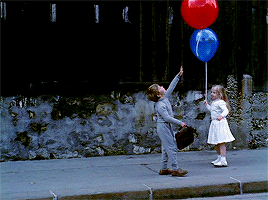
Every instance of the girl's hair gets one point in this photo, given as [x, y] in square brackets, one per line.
[222, 94]
[153, 93]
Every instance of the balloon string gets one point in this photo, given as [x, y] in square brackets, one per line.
[206, 65]
[196, 50]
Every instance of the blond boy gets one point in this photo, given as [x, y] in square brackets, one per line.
[165, 118]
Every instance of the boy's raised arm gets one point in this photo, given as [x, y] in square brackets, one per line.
[174, 83]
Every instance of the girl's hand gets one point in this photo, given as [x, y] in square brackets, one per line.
[205, 102]
[183, 125]
[181, 72]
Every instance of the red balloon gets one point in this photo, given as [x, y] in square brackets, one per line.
[199, 14]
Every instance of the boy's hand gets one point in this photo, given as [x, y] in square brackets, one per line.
[205, 102]
[181, 72]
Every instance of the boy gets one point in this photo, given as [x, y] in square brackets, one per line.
[165, 117]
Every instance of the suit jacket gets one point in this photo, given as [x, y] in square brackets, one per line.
[163, 107]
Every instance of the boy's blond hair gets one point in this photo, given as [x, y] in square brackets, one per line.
[153, 93]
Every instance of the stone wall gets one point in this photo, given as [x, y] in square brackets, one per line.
[49, 127]
[249, 114]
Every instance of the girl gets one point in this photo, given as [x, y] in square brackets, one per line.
[219, 131]
[165, 118]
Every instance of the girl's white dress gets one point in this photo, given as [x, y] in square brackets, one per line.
[219, 131]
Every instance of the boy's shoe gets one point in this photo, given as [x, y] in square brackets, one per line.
[180, 172]
[221, 163]
[165, 172]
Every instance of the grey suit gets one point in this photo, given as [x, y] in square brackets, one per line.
[165, 118]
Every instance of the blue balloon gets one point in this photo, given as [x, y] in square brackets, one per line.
[204, 44]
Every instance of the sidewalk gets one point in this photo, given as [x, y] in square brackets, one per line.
[134, 176]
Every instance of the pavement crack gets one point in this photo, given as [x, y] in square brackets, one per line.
[145, 165]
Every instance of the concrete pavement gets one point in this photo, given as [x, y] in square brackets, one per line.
[134, 176]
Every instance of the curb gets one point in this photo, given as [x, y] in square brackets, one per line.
[181, 193]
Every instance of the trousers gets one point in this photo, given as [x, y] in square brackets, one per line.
[169, 146]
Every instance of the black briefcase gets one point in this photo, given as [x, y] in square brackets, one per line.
[185, 137]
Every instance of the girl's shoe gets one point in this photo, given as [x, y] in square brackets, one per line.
[165, 172]
[221, 163]
[217, 160]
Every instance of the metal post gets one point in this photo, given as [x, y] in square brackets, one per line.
[141, 26]
[3, 10]
[169, 19]
[151, 191]
[53, 12]
[154, 4]
[55, 197]
[96, 7]
[125, 15]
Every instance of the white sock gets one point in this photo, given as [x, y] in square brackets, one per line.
[223, 158]
[217, 160]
